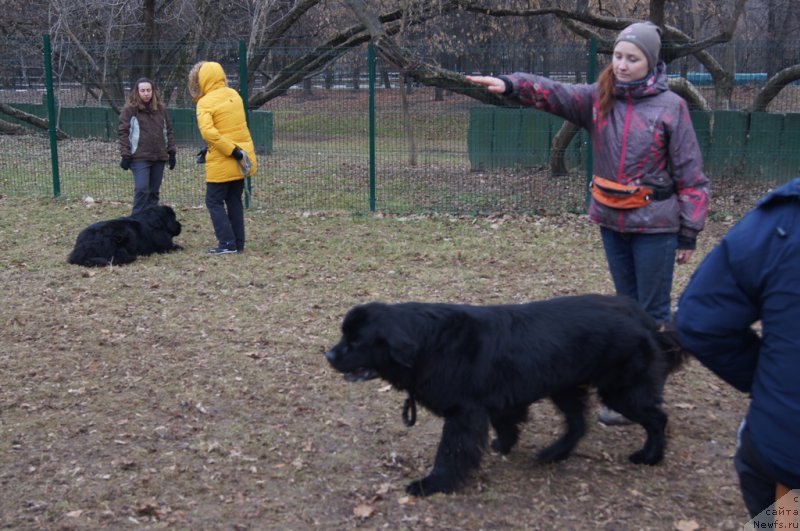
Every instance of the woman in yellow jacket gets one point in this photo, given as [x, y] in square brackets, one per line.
[231, 154]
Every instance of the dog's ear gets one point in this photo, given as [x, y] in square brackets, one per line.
[402, 348]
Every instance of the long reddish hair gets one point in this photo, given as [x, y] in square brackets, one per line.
[605, 87]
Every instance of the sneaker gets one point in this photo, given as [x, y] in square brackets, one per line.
[609, 417]
[221, 250]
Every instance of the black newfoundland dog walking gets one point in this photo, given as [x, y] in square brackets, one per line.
[119, 241]
[481, 365]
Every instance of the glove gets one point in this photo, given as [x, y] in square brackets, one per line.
[125, 163]
[238, 154]
[201, 156]
[172, 160]
[245, 165]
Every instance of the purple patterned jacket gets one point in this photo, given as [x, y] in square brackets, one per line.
[648, 133]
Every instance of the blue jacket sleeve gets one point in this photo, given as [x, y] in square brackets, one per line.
[714, 321]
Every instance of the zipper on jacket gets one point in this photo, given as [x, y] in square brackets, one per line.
[625, 129]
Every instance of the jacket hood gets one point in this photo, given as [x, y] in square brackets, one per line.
[212, 77]
[194, 81]
[204, 77]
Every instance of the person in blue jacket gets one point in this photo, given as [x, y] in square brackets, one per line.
[754, 275]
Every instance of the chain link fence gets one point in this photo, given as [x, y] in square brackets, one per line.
[355, 138]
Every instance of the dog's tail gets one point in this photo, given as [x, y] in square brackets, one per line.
[674, 355]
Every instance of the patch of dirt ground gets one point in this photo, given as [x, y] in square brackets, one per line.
[191, 392]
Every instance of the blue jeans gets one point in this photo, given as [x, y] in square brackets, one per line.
[147, 177]
[642, 266]
[228, 225]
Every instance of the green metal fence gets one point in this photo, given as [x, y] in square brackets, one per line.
[348, 138]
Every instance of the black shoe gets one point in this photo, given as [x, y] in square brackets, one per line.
[221, 250]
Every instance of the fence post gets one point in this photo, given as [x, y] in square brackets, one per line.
[248, 186]
[51, 115]
[591, 77]
[371, 61]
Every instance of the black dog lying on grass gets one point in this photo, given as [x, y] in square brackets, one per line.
[119, 241]
[482, 365]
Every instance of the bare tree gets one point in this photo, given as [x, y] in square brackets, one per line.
[581, 21]
[107, 44]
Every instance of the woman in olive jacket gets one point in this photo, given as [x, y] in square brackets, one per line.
[146, 142]
[231, 153]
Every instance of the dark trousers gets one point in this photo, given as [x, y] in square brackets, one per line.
[224, 203]
[642, 266]
[758, 487]
[147, 177]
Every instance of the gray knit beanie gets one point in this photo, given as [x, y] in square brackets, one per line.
[646, 36]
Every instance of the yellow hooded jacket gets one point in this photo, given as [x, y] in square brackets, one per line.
[222, 123]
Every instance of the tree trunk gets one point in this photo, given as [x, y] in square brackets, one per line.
[407, 124]
[558, 164]
[657, 12]
[149, 37]
[386, 80]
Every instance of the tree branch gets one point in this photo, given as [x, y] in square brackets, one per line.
[34, 120]
[689, 92]
[340, 44]
[259, 39]
[677, 43]
[774, 85]
[418, 70]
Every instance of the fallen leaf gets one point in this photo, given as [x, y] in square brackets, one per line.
[363, 511]
[686, 525]
[406, 500]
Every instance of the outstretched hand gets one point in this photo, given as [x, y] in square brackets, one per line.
[493, 84]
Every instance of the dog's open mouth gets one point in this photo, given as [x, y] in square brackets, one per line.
[361, 375]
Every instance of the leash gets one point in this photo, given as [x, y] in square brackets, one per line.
[410, 410]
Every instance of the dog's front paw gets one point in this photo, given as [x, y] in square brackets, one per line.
[502, 447]
[177, 247]
[429, 485]
[553, 454]
[642, 457]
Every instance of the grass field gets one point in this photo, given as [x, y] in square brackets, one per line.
[191, 392]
